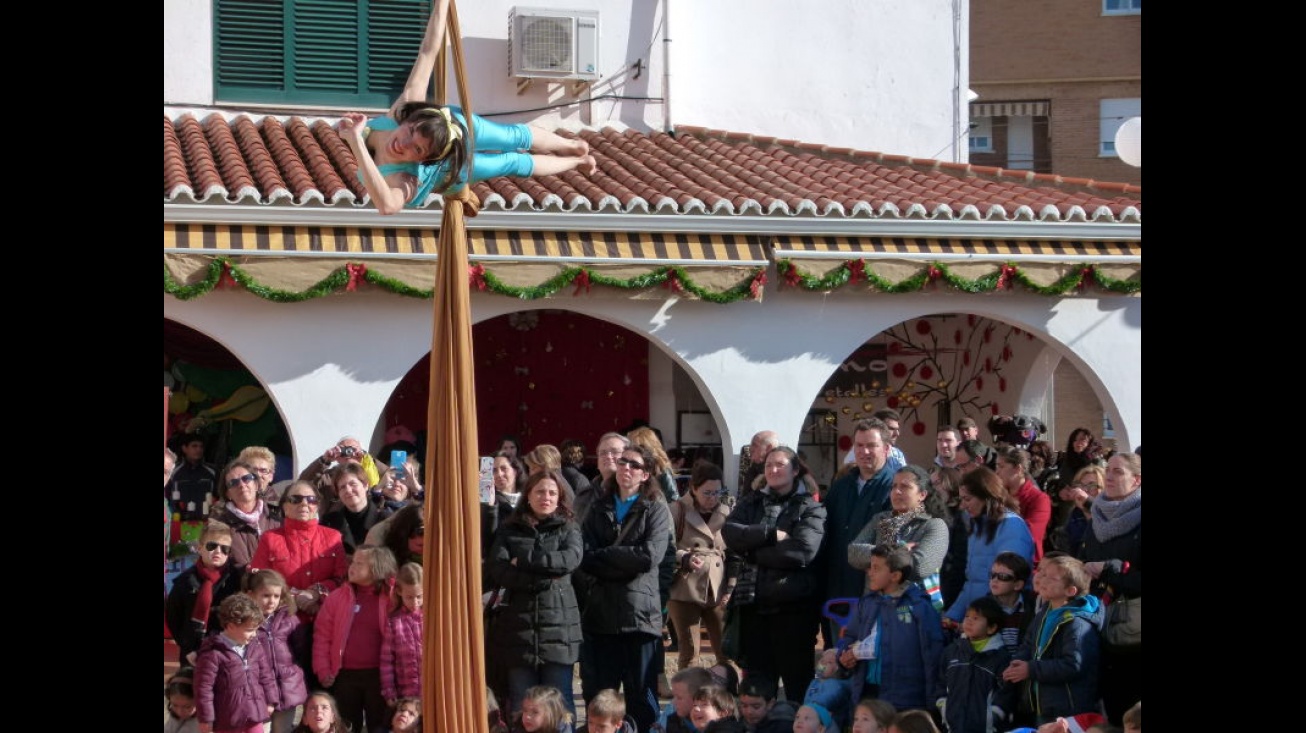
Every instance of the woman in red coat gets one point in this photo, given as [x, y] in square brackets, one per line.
[310, 557]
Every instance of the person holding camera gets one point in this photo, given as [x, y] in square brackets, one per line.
[346, 450]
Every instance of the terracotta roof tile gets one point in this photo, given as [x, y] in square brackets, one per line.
[241, 158]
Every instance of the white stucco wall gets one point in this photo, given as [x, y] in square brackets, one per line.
[868, 74]
[758, 365]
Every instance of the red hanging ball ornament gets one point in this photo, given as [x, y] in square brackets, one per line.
[956, 337]
[979, 383]
[926, 372]
[922, 327]
[895, 348]
[900, 370]
[918, 428]
[1002, 384]
[965, 358]
[892, 401]
[988, 364]
[993, 407]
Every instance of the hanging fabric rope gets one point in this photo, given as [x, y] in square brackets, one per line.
[453, 679]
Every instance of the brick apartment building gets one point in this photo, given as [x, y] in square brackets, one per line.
[1055, 79]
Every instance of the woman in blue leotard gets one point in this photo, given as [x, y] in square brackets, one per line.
[421, 148]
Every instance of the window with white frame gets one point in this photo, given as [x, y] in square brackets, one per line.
[981, 135]
[1113, 113]
[1122, 7]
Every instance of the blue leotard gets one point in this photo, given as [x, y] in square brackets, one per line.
[500, 151]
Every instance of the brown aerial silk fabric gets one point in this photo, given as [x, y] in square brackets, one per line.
[453, 680]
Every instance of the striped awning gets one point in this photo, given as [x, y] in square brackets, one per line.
[896, 259]
[295, 259]
[1009, 109]
[486, 245]
[952, 249]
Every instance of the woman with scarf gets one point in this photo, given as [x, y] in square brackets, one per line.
[246, 511]
[916, 520]
[1113, 555]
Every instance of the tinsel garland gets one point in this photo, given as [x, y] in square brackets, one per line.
[222, 272]
[1004, 277]
[221, 269]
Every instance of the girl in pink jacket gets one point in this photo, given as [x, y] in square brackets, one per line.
[348, 635]
[401, 650]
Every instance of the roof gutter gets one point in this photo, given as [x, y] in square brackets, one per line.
[550, 221]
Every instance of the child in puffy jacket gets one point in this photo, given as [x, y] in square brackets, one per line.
[401, 649]
[234, 685]
[348, 635]
[828, 689]
[269, 590]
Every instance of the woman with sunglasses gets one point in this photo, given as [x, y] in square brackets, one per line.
[310, 556]
[704, 578]
[626, 534]
[192, 607]
[245, 510]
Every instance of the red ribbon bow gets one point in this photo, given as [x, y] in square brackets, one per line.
[791, 276]
[1004, 279]
[856, 271]
[582, 281]
[759, 281]
[673, 282]
[1087, 277]
[357, 272]
[476, 274]
[226, 279]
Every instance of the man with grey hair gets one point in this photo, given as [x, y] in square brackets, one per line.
[763, 442]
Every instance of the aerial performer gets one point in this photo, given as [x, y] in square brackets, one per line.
[420, 148]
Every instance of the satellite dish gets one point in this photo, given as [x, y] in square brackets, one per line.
[1129, 142]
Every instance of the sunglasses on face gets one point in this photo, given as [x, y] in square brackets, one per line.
[246, 479]
[631, 464]
[211, 546]
[301, 498]
[1004, 577]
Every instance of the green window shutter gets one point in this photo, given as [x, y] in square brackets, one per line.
[332, 52]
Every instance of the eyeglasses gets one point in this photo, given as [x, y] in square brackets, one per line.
[301, 498]
[211, 546]
[246, 479]
[1004, 577]
[264, 471]
[1087, 486]
[715, 492]
[632, 464]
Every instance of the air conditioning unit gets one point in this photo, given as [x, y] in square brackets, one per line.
[553, 44]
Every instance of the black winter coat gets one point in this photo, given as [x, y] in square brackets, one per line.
[541, 622]
[181, 602]
[784, 571]
[621, 578]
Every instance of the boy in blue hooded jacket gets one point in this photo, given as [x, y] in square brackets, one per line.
[1059, 655]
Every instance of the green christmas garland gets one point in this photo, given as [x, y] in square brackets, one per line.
[1004, 276]
[672, 277]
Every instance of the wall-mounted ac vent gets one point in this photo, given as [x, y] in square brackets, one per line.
[553, 44]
